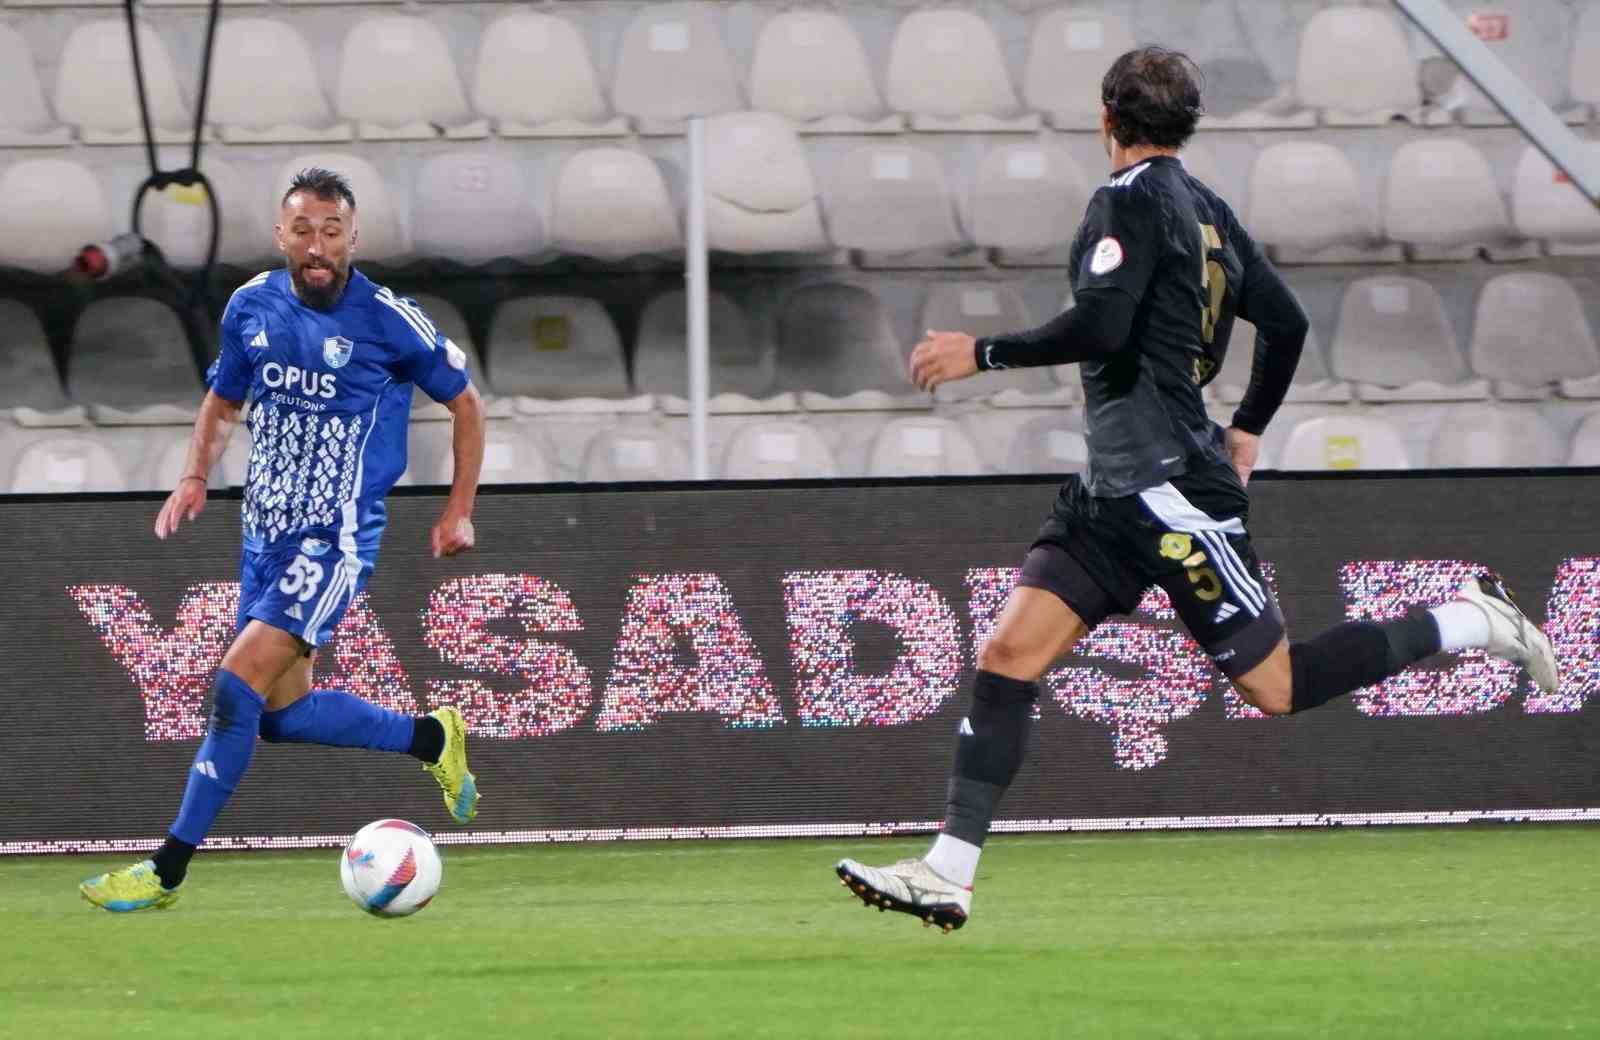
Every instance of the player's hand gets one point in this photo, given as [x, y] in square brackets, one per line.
[453, 534]
[186, 502]
[941, 357]
[1243, 449]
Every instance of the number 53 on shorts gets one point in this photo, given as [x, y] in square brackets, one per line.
[302, 585]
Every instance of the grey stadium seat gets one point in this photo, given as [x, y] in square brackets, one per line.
[25, 117]
[635, 452]
[28, 377]
[1306, 198]
[835, 341]
[947, 72]
[1348, 439]
[890, 198]
[556, 347]
[1355, 65]
[742, 363]
[474, 207]
[778, 451]
[1067, 54]
[1546, 205]
[809, 67]
[272, 91]
[398, 80]
[1395, 339]
[1441, 200]
[511, 455]
[1047, 444]
[1484, 436]
[922, 446]
[130, 362]
[1531, 332]
[612, 203]
[535, 78]
[761, 197]
[95, 89]
[674, 65]
[1026, 198]
[66, 463]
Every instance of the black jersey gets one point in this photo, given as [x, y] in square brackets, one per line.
[1169, 242]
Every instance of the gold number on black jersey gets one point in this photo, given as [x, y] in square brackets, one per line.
[1213, 282]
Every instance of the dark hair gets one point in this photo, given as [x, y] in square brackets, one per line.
[1154, 97]
[324, 184]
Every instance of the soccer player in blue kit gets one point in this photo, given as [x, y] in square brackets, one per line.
[327, 360]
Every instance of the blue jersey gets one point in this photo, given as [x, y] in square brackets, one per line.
[330, 396]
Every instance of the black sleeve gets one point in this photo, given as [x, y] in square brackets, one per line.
[1281, 327]
[1120, 242]
[1095, 326]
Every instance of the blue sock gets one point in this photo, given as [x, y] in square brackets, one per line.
[338, 719]
[223, 756]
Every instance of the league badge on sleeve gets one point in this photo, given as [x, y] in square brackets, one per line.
[1107, 256]
[336, 351]
[455, 355]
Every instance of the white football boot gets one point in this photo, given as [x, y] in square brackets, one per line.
[911, 887]
[1512, 636]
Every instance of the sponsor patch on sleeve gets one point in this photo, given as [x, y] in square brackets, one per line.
[1107, 256]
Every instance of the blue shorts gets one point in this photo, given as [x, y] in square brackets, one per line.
[302, 584]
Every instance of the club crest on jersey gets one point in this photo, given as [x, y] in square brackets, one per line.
[315, 546]
[336, 351]
[1107, 256]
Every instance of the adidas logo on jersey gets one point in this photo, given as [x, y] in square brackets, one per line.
[295, 612]
[260, 340]
[1224, 612]
[206, 768]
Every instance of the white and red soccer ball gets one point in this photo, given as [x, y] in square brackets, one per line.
[390, 868]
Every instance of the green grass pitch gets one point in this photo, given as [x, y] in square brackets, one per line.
[1469, 932]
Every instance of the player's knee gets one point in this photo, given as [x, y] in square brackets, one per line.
[1270, 697]
[1008, 656]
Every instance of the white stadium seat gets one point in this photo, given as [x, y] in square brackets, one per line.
[674, 65]
[474, 207]
[28, 376]
[178, 219]
[922, 446]
[95, 86]
[635, 452]
[809, 67]
[1531, 332]
[1347, 440]
[1441, 200]
[1027, 198]
[53, 208]
[760, 196]
[556, 347]
[130, 362]
[1546, 205]
[1305, 198]
[1395, 339]
[742, 363]
[1488, 436]
[271, 90]
[1585, 450]
[946, 71]
[25, 117]
[1356, 66]
[382, 233]
[1068, 53]
[67, 464]
[397, 80]
[612, 203]
[1583, 76]
[835, 342]
[1049, 443]
[535, 77]
[778, 451]
[890, 198]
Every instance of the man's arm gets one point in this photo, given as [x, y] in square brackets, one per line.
[1281, 327]
[212, 428]
[453, 533]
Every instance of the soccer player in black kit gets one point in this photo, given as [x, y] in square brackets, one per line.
[1160, 270]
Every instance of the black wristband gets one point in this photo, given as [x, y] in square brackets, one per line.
[980, 348]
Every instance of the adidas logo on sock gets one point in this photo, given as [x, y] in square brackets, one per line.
[294, 612]
[260, 340]
[1224, 612]
[206, 768]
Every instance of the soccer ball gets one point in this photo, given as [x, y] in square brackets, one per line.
[390, 868]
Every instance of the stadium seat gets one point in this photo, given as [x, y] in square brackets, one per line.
[1531, 37]
[635, 452]
[890, 198]
[809, 67]
[743, 366]
[25, 117]
[95, 86]
[1048, 443]
[1585, 450]
[53, 207]
[946, 71]
[1347, 440]
[1068, 53]
[1546, 205]
[1312, 384]
[778, 451]
[1027, 198]
[535, 78]
[557, 348]
[836, 345]
[383, 237]
[178, 219]
[983, 309]
[475, 207]
[271, 91]
[66, 465]
[1441, 200]
[397, 80]
[922, 446]
[130, 363]
[1355, 65]
[28, 377]
[1306, 202]
[1583, 77]
[1530, 333]
[673, 65]
[760, 196]
[612, 203]
[1395, 339]
[511, 455]
[1483, 436]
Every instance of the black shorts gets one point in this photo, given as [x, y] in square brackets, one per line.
[1188, 536]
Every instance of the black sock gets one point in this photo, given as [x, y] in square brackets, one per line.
[989, 751]
[427, 739]
[172, 861]
[1358, 653]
